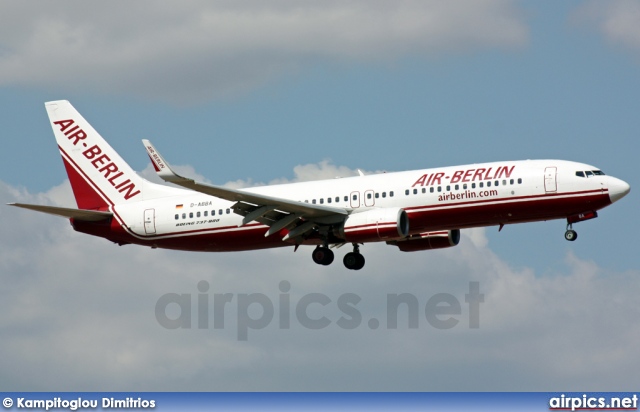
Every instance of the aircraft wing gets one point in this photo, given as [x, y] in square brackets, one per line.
[77, 214]
[269, 210]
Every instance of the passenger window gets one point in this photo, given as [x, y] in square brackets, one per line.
[406, 192]
[424, 190]
[355, 197]
[391, 193]
[439, 188]
[177, 217]
[313, 201]
[431, 189]
[448, 188]
[464, 186]
[497, 183]
[206, 213]
[377, 195]
[228, 211]
[384, 194]
[321, 201]
[346, 198]
[511, 181]
[457, 187]
[481, 184]
[184, 215]
[220, 211]
[473, 185]
[519, 180]
[328, 200]
[191, 215]
[198, 214]
[337, 199]
[368, 195]
[415, 191]
[504, 183]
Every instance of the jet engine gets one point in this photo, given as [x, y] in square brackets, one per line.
[374, 225]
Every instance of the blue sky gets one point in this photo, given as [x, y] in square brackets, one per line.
[504, 80]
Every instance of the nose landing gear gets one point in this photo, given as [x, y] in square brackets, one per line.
[571, 235]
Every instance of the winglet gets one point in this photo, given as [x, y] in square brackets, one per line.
[161, 166]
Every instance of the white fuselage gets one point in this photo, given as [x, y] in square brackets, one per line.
[434, 199]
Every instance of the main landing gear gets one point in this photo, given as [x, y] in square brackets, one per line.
[322, 255]
[570, 234]
[354, 260]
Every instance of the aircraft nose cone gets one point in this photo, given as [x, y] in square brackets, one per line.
[618, 189]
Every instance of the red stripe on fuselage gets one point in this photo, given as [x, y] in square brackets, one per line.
[504, 211]
[250, 237]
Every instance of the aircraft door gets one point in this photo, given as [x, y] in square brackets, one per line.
[150, 221]
[355, 199]
[550, 183]
[369, 199]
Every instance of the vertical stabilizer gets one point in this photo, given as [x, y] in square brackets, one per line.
[99, 176]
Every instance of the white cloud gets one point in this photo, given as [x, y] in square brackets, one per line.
[78, 314]
[617, 20]
[201, 49]
[325, 169]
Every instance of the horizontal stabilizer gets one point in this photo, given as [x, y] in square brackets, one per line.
[77, 214]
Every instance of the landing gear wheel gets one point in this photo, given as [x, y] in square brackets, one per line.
[570, 235]
[353, 261]
[322, 255]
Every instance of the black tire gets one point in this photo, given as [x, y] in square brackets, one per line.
[322, 256]
[353, 261]
[350, 260]
[571, 235]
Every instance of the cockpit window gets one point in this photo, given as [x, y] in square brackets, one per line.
[590, 173]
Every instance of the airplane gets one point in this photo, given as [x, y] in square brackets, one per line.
[411, 210]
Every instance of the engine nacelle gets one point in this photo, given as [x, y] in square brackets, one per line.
[428, 241]
[374, 225]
